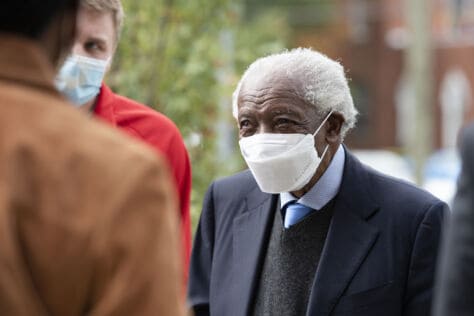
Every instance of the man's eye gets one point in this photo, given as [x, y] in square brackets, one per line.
[91, 46]
[283, 121]
[244, 123]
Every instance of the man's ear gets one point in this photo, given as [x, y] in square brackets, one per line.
[334, 126]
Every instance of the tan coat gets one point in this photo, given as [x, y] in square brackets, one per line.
[87, 217]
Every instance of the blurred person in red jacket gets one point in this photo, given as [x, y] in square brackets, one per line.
[81, 80]
[88, 217]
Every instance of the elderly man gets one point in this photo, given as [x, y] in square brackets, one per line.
[79, 236]
[309, 230]
[81, 79]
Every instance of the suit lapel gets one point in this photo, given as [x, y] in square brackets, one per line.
[349, 240]
[251, 230]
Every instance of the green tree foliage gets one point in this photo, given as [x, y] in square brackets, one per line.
[184, 58]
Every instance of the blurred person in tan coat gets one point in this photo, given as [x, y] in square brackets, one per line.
[87, 217]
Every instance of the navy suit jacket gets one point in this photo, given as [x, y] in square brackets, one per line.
[378, 259]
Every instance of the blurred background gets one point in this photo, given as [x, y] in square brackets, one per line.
[410, 64]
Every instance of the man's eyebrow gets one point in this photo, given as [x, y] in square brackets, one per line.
[96, 38]
[244, 112]
[284, 109]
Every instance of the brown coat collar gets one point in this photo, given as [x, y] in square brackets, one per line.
[23, 61]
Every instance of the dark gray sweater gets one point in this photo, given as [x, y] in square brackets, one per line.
[290, 264]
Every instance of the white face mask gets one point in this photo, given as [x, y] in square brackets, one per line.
[80, 78]
[282, 162]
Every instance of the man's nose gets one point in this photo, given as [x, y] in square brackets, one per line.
[264, 128]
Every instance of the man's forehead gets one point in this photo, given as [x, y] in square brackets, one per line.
[275, 97]
[98, 24]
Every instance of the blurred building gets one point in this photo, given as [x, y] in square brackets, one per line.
[370, 38]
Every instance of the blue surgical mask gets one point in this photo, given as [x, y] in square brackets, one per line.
[80, 78]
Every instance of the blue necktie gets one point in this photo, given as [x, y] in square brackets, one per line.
[295, 212]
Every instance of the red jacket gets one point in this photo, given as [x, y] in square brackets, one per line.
[162, 134]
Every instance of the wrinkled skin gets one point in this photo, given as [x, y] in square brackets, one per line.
[273, 105]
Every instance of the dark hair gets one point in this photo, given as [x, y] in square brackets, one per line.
[31, 17]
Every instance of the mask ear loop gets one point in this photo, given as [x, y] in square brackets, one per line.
[322, 123]
[320, 126]
[324, 152]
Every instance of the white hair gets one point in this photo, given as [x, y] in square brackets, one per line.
[321, 81]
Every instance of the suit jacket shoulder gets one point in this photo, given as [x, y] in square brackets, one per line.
[234, 187]
[366, 186]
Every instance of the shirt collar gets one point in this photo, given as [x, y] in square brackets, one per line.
[325, 189]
